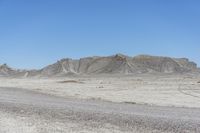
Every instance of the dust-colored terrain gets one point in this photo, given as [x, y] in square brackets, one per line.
[103, 103]
[161, 89]
[25, 111]
[113, 94]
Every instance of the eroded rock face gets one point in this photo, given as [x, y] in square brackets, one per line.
[164, 64]
[6, 70]
[121, 64]
[116, 64]
[185, 63]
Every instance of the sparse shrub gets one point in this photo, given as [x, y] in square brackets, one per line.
[100, 87]
[70, 81]
[130, 102]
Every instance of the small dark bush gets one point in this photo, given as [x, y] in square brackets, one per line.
[130, 102]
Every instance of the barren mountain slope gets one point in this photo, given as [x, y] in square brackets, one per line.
[119, 64]
[6, 70]
[116, 64]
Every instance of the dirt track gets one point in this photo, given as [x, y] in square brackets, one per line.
[28, 111]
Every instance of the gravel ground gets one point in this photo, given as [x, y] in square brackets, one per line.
[25, 111]
[160, 90]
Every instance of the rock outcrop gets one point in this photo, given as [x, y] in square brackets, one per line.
[5, 70]
[116, 64]
[119, 64]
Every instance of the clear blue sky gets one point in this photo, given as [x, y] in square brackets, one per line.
[34, 33]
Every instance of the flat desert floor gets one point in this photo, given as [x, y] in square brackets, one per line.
[162, 90]
[132, 103]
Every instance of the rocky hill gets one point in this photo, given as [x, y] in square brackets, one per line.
[116, 64]
[5, 70]
[119, 64]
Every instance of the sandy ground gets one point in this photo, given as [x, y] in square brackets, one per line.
[23, 111]
[100, 104]
[162, 90]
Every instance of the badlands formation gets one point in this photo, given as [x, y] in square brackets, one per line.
[116, 64]
[118, 94]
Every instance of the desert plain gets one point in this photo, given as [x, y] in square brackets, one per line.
[101, 103]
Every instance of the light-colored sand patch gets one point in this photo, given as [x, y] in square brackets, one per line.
[14, 123]
[168, 90]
